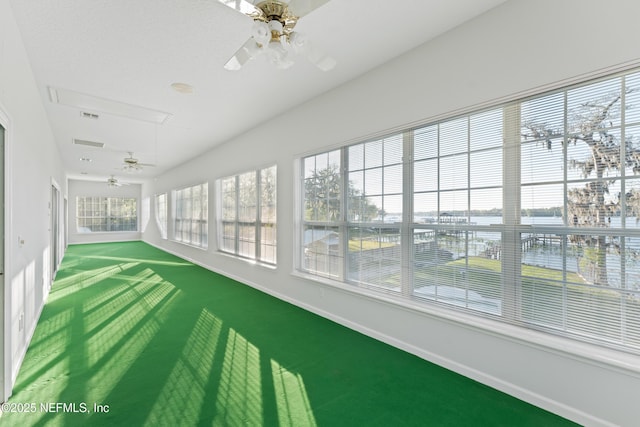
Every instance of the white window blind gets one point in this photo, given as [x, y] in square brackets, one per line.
[323, 216]
[457, 198]
[190, 209]
[161, 213]
[581, 273]
[247, 216]
[527, 213]
[106, 214]
[375, 209]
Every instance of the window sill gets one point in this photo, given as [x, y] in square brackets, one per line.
[202, 248]
[588, 353]
[93, 233]
[247, 260]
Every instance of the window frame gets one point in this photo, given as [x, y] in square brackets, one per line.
[511, 228]
[232, 213]
[183, 202]
[161, 214]
[107, 214]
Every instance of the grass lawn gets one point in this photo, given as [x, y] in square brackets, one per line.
[527, 270]
[356, 245]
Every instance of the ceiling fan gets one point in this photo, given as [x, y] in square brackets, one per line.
[272, 33]
[113, 182]
[132, 164]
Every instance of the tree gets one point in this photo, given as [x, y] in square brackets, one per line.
[360, 208]
[592, 205]
[323, 196]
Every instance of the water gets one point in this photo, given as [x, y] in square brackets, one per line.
[552, 256]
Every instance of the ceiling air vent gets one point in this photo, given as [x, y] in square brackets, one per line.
[86, 115]
[88, 143]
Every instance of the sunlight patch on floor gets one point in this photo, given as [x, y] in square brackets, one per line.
[239, 400]
[294, 408]
[50, 332]
[109, 305]
[68, 285]
[145, 261]
[124, 346]
[109, 328]
[53, 368]
[184, 391]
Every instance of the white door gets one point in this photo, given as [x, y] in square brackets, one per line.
[55, 231]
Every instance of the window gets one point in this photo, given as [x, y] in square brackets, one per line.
[527, 213]
[374, 211]
[106, 214]
[191, 215]
[247, 217]
[323, 228]
[161, 213]
[457, 198]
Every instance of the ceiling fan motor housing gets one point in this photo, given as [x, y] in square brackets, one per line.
[276, 14]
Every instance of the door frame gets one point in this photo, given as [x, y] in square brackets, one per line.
[6, 377]
[56, 230]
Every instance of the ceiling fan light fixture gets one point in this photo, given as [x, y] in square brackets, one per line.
[260, 32]
[275, 27]
[132, 168]
[297, 41]
[278, 56]
[252, 49]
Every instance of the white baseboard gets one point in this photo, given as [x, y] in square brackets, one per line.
[28, 337]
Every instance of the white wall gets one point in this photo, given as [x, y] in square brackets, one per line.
[519, 47]
[79, 188]
[33, 166]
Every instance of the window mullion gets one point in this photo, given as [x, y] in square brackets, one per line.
[258, 219]
[406, 230]
[343, 229]
[511, 254]
[565, 176]
[623, 180]
[625, 313]
[108, 214]
[468, 207]
[236, 237]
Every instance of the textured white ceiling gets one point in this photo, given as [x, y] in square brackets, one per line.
[131, 52]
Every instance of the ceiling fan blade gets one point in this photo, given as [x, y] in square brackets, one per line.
[242, 6]
[301, 8]
[146, 165]
[323, 61]
[299, 44]
[113, 182]
[246, 52]
[318, 57]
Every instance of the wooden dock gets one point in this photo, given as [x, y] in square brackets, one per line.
[526, 243]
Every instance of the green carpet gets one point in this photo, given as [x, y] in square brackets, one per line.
[155, 340]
